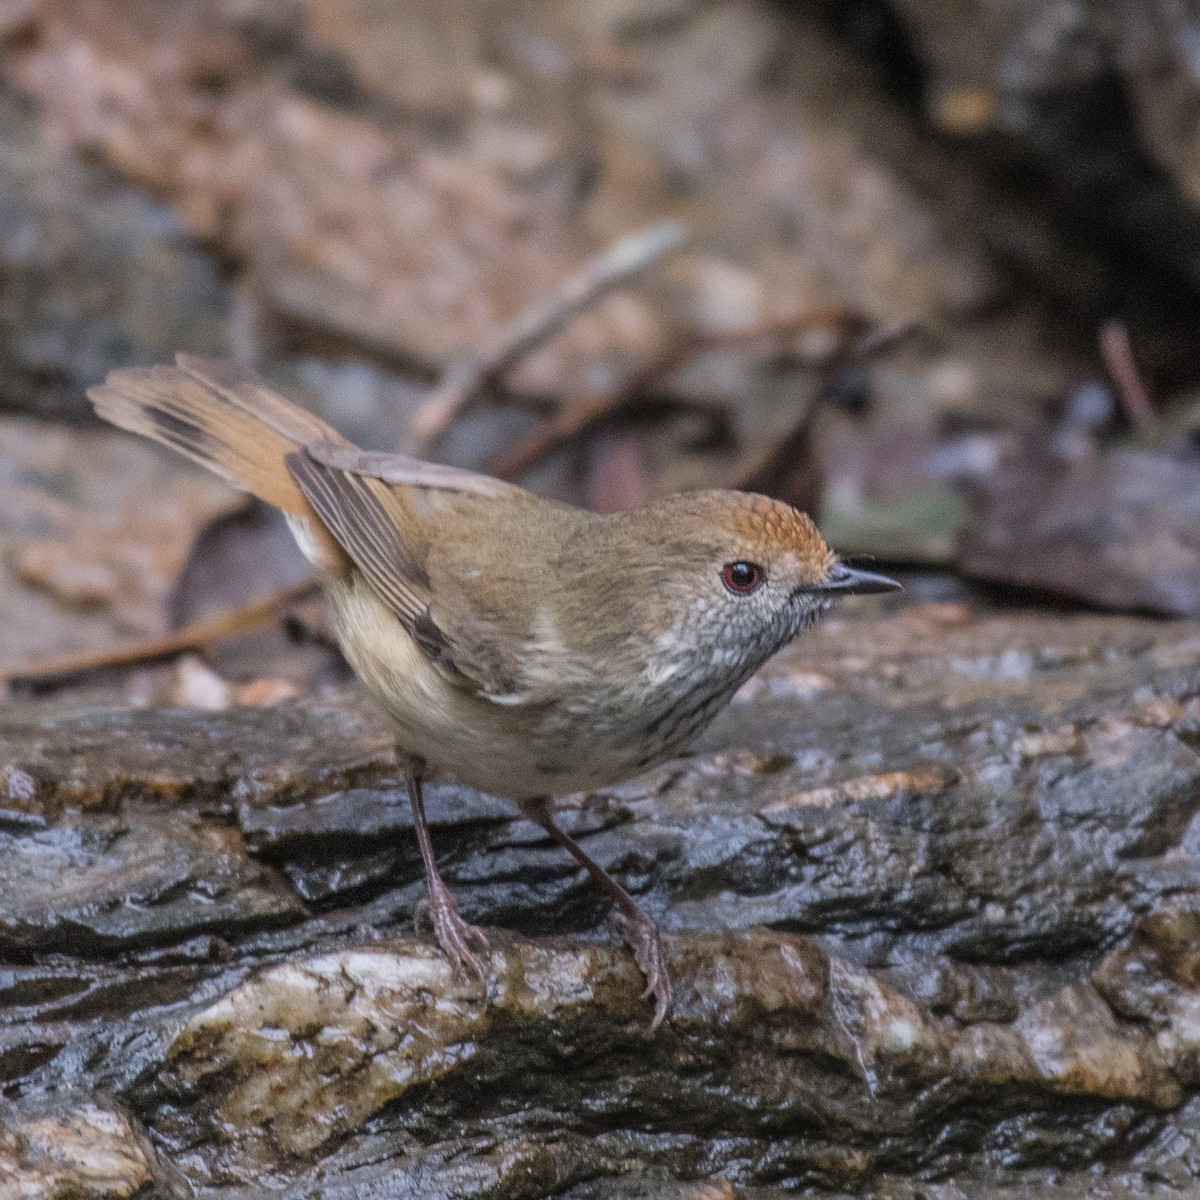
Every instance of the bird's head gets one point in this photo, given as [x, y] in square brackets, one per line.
[735, 576]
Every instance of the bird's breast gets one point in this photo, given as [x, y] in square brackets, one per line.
[588, 735]
[586, 728]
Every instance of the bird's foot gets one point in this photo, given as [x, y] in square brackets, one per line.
[645, 941]
[453, 934]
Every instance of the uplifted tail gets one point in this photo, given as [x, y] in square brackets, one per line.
[227, 419]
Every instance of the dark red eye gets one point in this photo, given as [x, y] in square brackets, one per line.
[742, 578]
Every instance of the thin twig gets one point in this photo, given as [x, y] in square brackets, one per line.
[542, 320]
[1117, 355]
[787, 470]
[879, 338]
[227, 623]
[566, 424]
[576, 418]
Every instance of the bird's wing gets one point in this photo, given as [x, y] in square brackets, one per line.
[405, 471]
[382, 527]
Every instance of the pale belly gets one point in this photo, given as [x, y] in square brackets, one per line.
[505, 750]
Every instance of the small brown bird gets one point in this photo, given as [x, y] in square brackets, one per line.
[530, 648]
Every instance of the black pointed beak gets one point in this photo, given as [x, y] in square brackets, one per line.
[850, 581]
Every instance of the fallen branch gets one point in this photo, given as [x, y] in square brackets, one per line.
[879, 338]
[546, 317]
[574, 419]
[788, 470]
[1117, 355]
[227, 623]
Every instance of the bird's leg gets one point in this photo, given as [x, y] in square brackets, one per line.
[454, 935]
[639, 928]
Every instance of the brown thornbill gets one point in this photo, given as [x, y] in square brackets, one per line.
[530, 648]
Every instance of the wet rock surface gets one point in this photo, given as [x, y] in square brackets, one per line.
[85, 1150]
[931, 892]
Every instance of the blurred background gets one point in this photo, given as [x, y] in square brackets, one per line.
[937, 280]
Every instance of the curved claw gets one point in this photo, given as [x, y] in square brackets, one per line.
[645, 941]
[454, 935]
